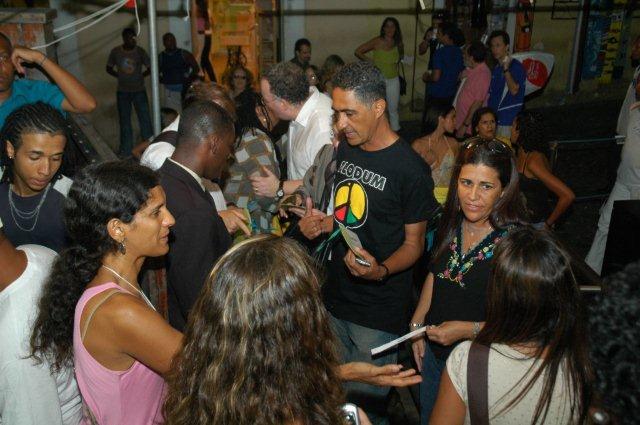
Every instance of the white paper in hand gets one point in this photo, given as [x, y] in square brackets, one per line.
[385, 347]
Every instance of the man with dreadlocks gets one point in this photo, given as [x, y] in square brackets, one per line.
[67, 94]
[32, 190]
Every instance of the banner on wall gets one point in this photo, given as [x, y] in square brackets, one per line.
[538, 66]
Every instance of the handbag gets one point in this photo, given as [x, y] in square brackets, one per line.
[403, 79]
[478, 384]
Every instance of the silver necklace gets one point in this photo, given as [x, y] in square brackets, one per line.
[115, 273]
[26, 215]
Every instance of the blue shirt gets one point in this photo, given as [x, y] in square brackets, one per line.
[24, 91]
[448, 59]
[506, 105]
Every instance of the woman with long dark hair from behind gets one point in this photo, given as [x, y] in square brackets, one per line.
[538, 365]
[536, 177]
[482, 205]
[438, 148]
[254, 150]
[258, 348]
[93, 314]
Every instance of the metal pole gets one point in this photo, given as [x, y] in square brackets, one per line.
[575, 67]
[155, 76]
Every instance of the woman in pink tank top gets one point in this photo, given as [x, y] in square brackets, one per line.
[93, 313]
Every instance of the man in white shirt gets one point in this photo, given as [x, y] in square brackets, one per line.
[627, 184]
[29, 393]
[286, 92]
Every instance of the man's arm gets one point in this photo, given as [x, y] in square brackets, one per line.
[403, 258]
[512, 84]
[77, 98]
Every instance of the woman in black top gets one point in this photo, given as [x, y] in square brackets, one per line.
[483, 203]
[536, 178]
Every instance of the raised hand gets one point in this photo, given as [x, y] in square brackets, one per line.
[265, 184]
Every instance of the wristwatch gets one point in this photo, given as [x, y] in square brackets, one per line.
[280, 191]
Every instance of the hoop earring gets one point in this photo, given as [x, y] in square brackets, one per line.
[122, 248]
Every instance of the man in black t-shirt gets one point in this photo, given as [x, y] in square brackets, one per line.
[384, 193]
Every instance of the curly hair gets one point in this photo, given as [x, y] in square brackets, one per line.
[508, 210]
[613, 321]
[289, 82]
[32, 118]
[533, 297]
[364, 79]
[202, 91]
[100, 192]
[531, 132]
[258, 348]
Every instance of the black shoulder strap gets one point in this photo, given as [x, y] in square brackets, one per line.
[169, 136]
[478, 384]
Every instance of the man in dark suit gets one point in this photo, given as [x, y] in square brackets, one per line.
[200, 236]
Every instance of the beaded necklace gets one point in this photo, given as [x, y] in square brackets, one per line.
[459, 264]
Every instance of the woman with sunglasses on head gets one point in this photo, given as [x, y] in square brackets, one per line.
[536, 177]
[533, 343]
[482, 205]
[93, 314]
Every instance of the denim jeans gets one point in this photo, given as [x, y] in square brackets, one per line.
[140, 102]
[356, 343]
[431, 374]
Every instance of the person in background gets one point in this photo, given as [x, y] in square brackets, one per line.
[29, 393]
[438, 149]
[311, 71]
[203, 43]
[178, 68]
[200, 235]
[473, 88]
[250, 358]
[430, 41]
[67, 94]
[254, 152]
[442, 80]
[93, 315]
[302, 53]
[536, 177]
[627, 185]
[534, 340]
[483, 124]
[330, 67]
[32, 188]
[286, 92]
[508, 78]
[482, 205]
[240, 83]
[388, 50]
[387, 207]
[613, 319]
[125, 63]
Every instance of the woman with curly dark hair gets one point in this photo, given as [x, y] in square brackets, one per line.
[536, 177]
[258, 348]
[533, 342]
[93, 314]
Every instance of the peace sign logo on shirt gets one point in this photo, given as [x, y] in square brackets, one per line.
[350, 204]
